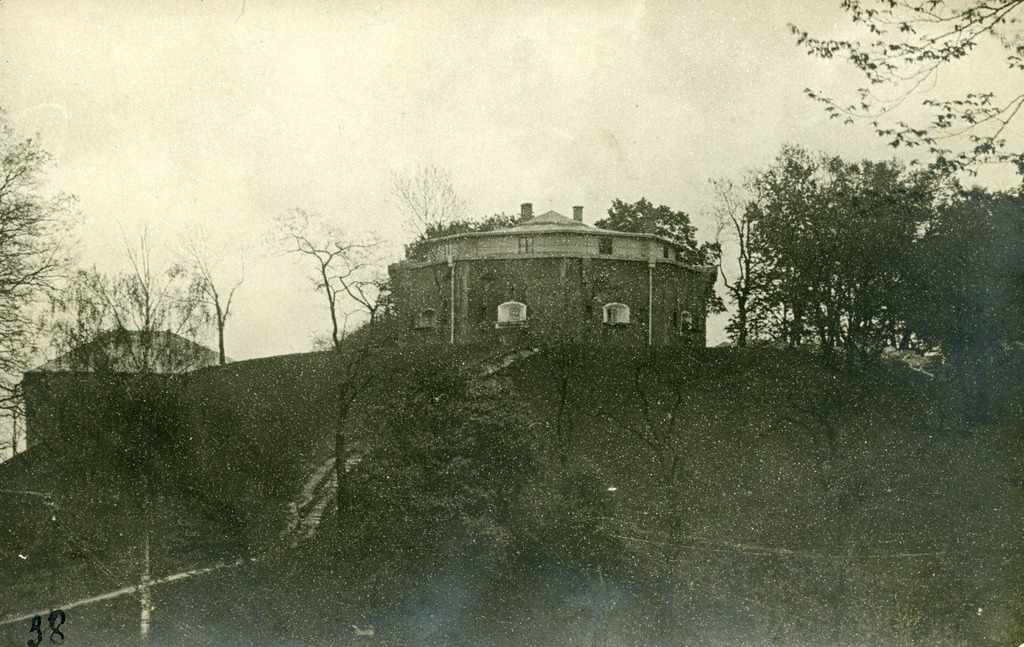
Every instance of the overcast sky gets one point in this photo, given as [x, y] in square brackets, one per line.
[227, 113]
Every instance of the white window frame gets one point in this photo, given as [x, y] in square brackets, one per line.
[425, 321]
[685, 321]
[613, 314]
[507, 308]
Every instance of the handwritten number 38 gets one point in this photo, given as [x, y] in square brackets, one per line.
[56, 619]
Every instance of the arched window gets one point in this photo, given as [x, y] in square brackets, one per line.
[425, 319]
[616, 313]
[511, 312]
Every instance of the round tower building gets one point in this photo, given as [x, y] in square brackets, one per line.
[552, 279]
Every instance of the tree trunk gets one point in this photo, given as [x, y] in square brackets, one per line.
[741, 320]
[220, 335]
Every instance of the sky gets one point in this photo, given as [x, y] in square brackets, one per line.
[226, 113]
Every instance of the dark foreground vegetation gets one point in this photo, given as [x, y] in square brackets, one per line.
[574, 497]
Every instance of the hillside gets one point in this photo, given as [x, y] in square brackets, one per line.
[579, 497]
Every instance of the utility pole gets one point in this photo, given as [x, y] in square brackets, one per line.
[144, 424]
[54, 537]
[145, 595]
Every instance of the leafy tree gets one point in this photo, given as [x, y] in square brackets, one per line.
[460, 226]
[910, 42]
[443, 466]
[642, 217]
[968, 288]
[835, 236]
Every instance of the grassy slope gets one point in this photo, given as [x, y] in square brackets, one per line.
[916, 538]
[918, 530]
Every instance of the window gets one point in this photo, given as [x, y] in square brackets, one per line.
[675, 320]
[616, 314]
[526, 244]
[664, 251]
[425, 319]
[645, 248]
[687, 321]
[511, 313]
[604, 245]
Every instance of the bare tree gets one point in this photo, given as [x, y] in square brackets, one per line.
[34, 254]
[340, 263]
[115, 321]
[217, 290]
[732, 213]
[372, 294]
[427, 199]
[12, 403]
[33, 245]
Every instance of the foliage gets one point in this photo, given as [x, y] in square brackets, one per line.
[658, 414]
[561, 524]
[833, 236]
[459, 226]
[642, 217]
[34, 250]
[910, 42]
[968, 277]
[443, 468]
[969, 274]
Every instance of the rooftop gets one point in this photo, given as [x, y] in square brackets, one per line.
[552, 221]
[133, 351]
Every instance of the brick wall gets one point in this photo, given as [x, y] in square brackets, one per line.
[564, 297]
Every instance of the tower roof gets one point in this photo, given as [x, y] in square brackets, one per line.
[552, 221]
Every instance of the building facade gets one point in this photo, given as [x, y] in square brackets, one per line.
[552, 278]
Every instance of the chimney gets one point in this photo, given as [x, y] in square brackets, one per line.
[527, 211]
[577, 214]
